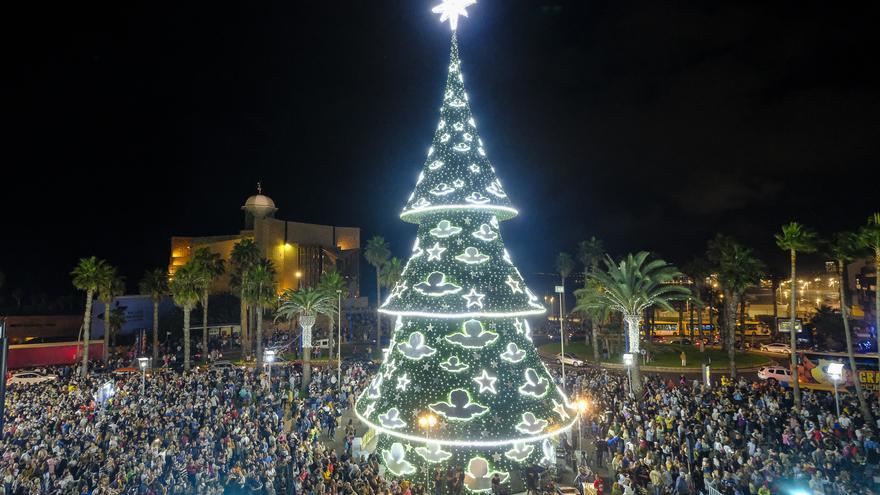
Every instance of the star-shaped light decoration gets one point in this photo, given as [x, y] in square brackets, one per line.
[451, 9]
[514, 284]
[474, 298]
[402, 382]
[486, 382]
[560, 410]
[435, 252]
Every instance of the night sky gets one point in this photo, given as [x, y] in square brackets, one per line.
[652, 125]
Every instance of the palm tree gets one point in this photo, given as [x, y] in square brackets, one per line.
[116, 322]
[844, 248]
[869, 237]
[737, 269]
[590, 304]
[212, 267]
[564, 266]
[589, 254]
[775, 279]
[335, 287]
[377, 253]
[186, 289]
[306, 304]
[245, 254]
[261, 293]
[155, 284]
[111, 287]
[391, 272]
[630, 287]
[698, 269]
[795, 237]
[88, 276]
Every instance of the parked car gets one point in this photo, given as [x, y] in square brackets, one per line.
[222, 365]
[31, 377]
[777, 373]
[569, 359]
[776, 347]
[680, 341]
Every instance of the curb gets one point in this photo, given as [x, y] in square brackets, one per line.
[669, 369]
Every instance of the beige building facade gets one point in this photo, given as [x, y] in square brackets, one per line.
[301, 252]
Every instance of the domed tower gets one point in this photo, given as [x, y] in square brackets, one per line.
[256, 207]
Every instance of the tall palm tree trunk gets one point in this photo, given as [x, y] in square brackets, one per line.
[378, 314]
[863, 403]
[186, 351]
[792, 316]
[691, 319]
[259, 336]
[87, 322]
[205, 325]
[594, 336]
[243, 316]
[700, 329]
[632, 332]
[307, 363]
[877, 288]
[155, 332]
[729, 323]
[775, 287]
[106, 332]
[742, 323]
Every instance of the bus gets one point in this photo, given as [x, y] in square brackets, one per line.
[755, 328]
[671, 328]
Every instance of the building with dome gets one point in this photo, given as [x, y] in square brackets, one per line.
[301, 252]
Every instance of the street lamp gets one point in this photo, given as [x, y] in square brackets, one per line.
[581, 405]
[339, 338]
[427, 422]
[629, 360]
[269, 357]
[143, 364]
[835, 371]
[560, 289]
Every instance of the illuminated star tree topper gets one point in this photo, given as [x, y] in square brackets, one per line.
[451, 9]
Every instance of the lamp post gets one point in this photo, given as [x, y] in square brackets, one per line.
[560, 289]
[835, 371]
[427, 422]
[628, 361]
[143, 364]
[339, 338]
[4, 353]
[268, 358]
[581, 406]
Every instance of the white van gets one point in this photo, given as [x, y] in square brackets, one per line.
[777, 373]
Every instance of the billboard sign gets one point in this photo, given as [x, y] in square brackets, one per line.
[784, 325]
[138, 312]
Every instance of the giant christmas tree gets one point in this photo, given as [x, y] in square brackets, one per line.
[461, 352]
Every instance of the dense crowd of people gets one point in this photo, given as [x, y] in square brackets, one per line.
[743, 438]
[230, 430]
[208, 431]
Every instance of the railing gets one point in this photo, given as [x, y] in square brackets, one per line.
[710, 489]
